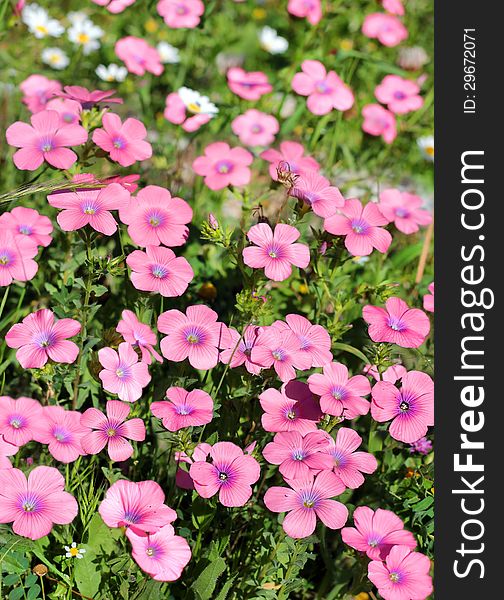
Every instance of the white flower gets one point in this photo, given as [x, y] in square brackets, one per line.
[73, 551]
[272, 42]
[111, 72]
[426, 145]
[86, 34]
[55, 58]
[39, 23]
[196, 103]
[168, 53]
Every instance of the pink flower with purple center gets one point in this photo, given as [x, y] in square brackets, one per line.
[122, 373]
[139, 335]
[138, 506]
[316, 191]
[16, 258]
[68, 110]
[376, 532]
[403, 209]
[361, 226]
[411, 408]
[138, 56]
[86, 98]
[305, 500]
[379, 121]
[230, 474]
[19, 419]
[255, 128]
[348, 464]
[195, 335]
[240, 349]
[39, 338]
[180, 14]
[249, 85]
[340, 395]
[298, 455]
[125, 142]
[183, 408]
[325, 90]
[28, 222]
[154, 217]
[35, 503]
[275, 250]
[44, 140]
[112, 430]
[387, 29]
[291, 156]
[222, 165]
[403, 576]
[292, 408]
[62, 431]
[90, 207]
[37, 91]
[314, 339]
[400, 95]
[311, 10]
[397, 323]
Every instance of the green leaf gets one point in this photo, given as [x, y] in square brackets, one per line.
[33, 592]
[86, 574]
[351, 350]
[204, 586]
[16, 593]
[225, 589]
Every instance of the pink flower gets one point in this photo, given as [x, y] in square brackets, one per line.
[137, 506]
[240, 348]
[255, 128]
[87, 99]
[68, 110]
[403, 576]
[282, 351]
[45, 139]
[249, 85]
[39, 338]
[298, 456]
[231, 474]
[314, 339]
[397, 323]
[159, 270]
[325, 90]
[196, 335]
[138, 56]
[309, 9]
[181, 13]
[361, 227]
[128, 182]
[404, 210]
[428, 299]
[379, 121]
[19, 419]
[317, 192]
[154, 217]
[400, 95]
[411, 407]
[123, 141]
[376, 532]
[178, 107]
[6, 449]
[275, 251]
[386, 28]
[112, 431]
[184, 409]
[115, 6]
[27, 222]
[16, 258]
[122, 374]
[394, 7]
[347, 464]
[340, 395]
[62, 431]
[139, 335]
[37, 91]
[32, 505]
[162, 555]
[392, 374]
[222, 166]
[90, 207]
[292, 408]
[308, 499]
[292, 154]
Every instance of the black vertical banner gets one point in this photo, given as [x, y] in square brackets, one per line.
[469, 167]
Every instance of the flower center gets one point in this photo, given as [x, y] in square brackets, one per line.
[132, 517]
[119, 143]
[298, 455]
[256, 128]
[155, 219]
[396, 324]
[223, 476]
[404, 406]
[402, 212]
[181, 9]
[150, 551]
[83, 38]
[194, 107]
[61, 434]
[394, 577]
[5, 258]
[322, 87]
[16, 421]
[159, 271]
[223, 167]
[29, 506]
[74, 552]
[111, 432]
[68, 117]
[89, 208]
[122, 372]
[291, 414]
[399, 95]
[25, 229]
[46, 145]
[359, 226]
[338, 392]
[183, 410]
[279, 354]
[194, 335]
[45, 340]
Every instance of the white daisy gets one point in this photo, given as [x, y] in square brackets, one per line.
[426, 145]
[272, 42]
[86, 34]
[39, 23]
[168, 53]
[55, 58]
[111, 72]
[196, 103]
[73, 551]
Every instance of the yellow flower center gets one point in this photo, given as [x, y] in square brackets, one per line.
[74, 551]
[193, 107]
[83, 38]
[429, 150]
[42, 29]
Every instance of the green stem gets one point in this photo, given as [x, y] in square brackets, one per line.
[4, 300]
